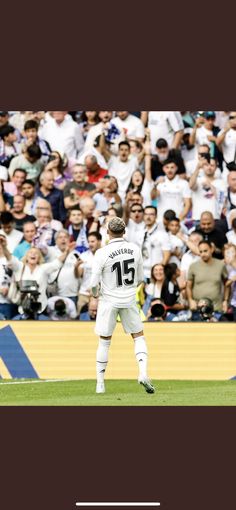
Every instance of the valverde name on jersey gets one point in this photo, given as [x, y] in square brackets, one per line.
[120, 252]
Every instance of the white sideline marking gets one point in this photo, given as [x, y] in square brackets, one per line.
[38, 381]
[115, 503]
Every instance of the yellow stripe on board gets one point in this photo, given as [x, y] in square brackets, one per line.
[3, 370]
[176, 351]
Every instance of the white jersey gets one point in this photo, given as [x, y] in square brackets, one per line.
[118, 267]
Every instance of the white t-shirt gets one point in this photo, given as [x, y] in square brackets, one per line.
[231, 236]
[133, 126]
[229, 145]
[172, 195]
[203, 198]
[66, 137]
[164, 125]
[13, 239]
[135, 232]
[71, 312]
[5, 280]
[40, 275]
[123, 172]
[188, 259]
[67, 282]
[175, 242]
[118, 266]
[87, 258]
[155, 241]
[201, 136]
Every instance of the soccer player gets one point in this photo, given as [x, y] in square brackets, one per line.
[116, 272]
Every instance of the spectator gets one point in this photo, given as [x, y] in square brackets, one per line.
[12, 236]
[52, 195]
[32, 267]
[231, 234]
[9, 148]
[19, 216]
[91, 314]
[192, 255]
[106, 193]
[155, 162]
[153, 289]
[205, 132]
[231, 190]
[56, 166]
[77, 188]
[28, 192]
[210, 232]
[29, 161]
[230, 261]
[142, 183]
[87, 121]
[31, 137]
[95, 131]
[205, 279]
[167, 125]
[63, 134]
[130, 125]
[61, 309]
[177, 245]
[84, 270]
[29, 232]
[77, 229]
[14, 187]
[87, 206]
[226, 139]
[66, 277]
[94, 171]
[172, 192]
[208, 192]
[46, 225]
[165, 287]
[7, 309]
[135, 225]
[155, 243]
[122, 167]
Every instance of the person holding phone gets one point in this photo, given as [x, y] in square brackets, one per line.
[226, 139]
[208, 192]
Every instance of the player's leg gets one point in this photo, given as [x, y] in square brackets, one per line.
[105, 325]
[132, 324]
[141, 353]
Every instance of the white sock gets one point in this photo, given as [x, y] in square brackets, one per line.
[102, 358]
[140, 349]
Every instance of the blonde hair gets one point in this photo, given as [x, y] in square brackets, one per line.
[40, 256]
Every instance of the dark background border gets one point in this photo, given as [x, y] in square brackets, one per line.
[115, 55]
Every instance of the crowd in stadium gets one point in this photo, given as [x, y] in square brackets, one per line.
[170, 175]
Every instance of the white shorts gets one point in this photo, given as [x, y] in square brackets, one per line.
[107, 315]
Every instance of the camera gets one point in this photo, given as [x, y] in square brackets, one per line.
[206, 309]
[158, 311]
[29, 291]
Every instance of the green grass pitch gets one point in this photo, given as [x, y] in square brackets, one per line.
[118, 393]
